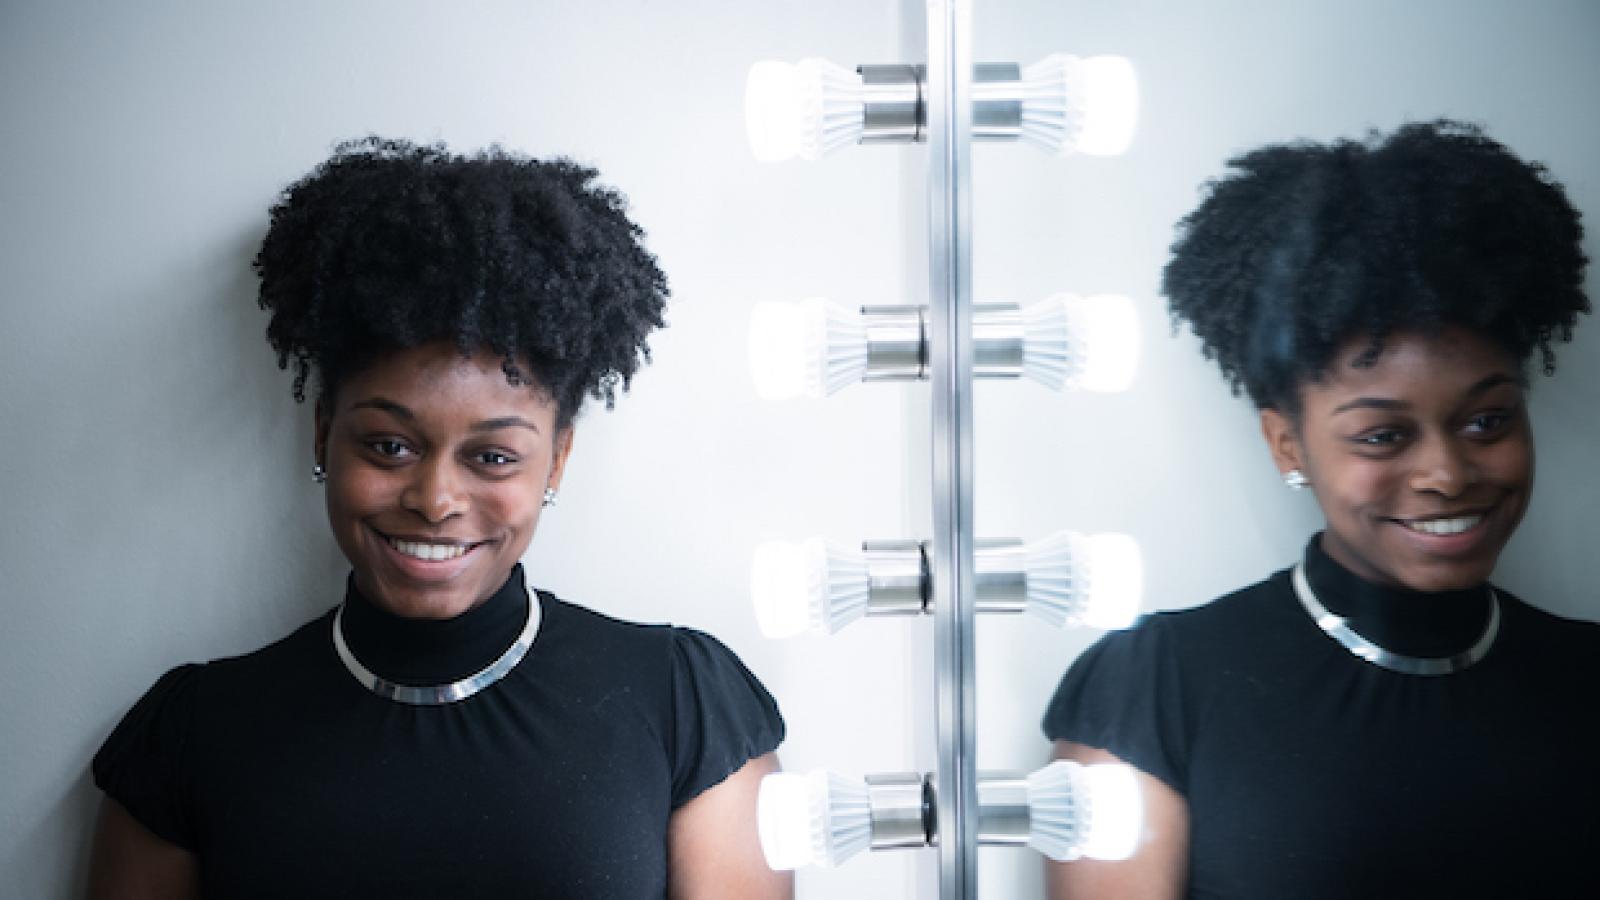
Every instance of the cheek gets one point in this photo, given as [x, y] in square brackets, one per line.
[514, 505]
[1354, 485]
[353, 498]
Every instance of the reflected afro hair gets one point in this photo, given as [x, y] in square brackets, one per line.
[1302, 247]
[389, 245]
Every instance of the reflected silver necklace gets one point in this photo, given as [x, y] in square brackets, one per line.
[1339, 629]
[439, 694]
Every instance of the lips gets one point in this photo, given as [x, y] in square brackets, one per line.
[1444, 526]
[429, 550]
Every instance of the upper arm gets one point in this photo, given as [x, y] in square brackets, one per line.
[713, 850]
[130, 862]
[1159, 867]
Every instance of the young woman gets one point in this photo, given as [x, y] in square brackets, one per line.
[447, 730]
[1378, 720]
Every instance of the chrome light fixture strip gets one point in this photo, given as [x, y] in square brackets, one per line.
[949, 107]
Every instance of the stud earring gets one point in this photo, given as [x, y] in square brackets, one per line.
[319, 474]
[549, 497]
[1296, 480]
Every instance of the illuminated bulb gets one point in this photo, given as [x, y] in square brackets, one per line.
[805, 109]
[1103, 332]
[1084, 811]
[819, 818]
[814, 585]
[1047, 345]
[811, 348]
[1080, 105]
[1076, 580]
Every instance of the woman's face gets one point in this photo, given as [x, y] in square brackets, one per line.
[1422, 463]
[437, 467]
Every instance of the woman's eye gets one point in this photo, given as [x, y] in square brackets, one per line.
[1487, 423]
[1384, 437]
[495, 458]
[389, 448]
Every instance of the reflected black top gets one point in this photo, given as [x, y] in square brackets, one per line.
[1310, 773]
[287, 778]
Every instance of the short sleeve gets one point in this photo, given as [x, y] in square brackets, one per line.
[142, 764]
[722, 717]
[1124, 695]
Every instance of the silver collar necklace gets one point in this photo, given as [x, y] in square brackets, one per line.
[1339, 629]
[439, 694]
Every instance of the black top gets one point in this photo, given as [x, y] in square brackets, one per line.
[288, 778]
[1310, 773]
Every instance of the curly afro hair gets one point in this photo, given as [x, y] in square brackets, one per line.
[389, 245]
[1302, 247]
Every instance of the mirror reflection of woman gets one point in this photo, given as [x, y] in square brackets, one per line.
[1377, 720]
[447, 730]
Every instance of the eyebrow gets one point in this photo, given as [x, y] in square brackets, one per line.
[404, 412]
[1389, 403]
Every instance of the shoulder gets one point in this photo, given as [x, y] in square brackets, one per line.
[1209, 628]
[285, 661]
[570, 628]
[1172, 654]
[1544, 633]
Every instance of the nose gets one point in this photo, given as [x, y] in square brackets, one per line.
[1443, 467]
[435, 491]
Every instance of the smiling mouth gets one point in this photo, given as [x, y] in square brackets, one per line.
[428, 551]
[1443, 526]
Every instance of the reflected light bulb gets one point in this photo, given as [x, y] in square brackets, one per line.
[1070, 104]
[1116, 811]
[1104, 332]
[1076, 580]
[1084, 811]
[819, 818]
[812, 586]
[812, 348]
[805, 109]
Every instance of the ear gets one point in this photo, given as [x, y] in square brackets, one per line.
[1283, 440]
[558, 460]
[319, 439]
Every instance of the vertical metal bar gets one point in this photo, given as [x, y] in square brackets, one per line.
[950, 365]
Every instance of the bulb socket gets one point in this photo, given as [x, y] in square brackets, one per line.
[902, 810]
[894, 104]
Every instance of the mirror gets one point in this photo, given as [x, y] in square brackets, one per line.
[1176, 461]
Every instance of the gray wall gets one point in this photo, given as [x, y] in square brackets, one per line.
[156, 477]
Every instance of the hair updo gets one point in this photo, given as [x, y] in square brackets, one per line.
[389, 245]
[1302, 247]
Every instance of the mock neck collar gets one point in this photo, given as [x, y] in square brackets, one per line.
[430, 651]
[1415, 623]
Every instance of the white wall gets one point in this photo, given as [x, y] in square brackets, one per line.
[1177, 462]
[156, 469]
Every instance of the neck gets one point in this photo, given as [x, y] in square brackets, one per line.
[431, 651]
[1415, 623]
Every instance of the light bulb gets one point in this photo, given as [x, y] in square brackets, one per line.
[1104, 335]
[819, 818]
[811, 348]
[1075, 580]
[806, 109]
[814, 586]
[1079, 105]
[1084, 811]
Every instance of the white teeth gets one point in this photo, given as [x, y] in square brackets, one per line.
[1444, 526]
[429, 552]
